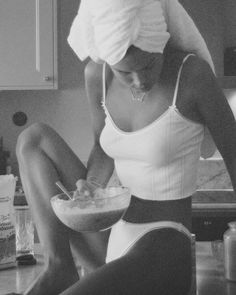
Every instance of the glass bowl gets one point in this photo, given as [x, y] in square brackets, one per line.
[98, 213]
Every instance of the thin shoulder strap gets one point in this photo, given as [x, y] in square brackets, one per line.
[178, 78]
[104, 83]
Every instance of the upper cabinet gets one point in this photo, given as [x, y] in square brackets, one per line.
[216, 20]
[28, 44]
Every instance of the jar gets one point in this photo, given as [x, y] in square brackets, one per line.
[24, 227]
[230, 252]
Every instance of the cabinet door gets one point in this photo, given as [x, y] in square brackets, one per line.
[27, 44]
[210, 228]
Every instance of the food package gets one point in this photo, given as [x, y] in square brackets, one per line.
[7, 229]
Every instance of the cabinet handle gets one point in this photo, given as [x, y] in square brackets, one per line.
[47, 78]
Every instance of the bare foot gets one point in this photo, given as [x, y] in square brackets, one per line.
[53, 280]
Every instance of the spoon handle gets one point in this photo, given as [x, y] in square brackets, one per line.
[63, 189]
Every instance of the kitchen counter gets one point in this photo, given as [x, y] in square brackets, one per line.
[218, 199]
[210, 274]
[213, 175]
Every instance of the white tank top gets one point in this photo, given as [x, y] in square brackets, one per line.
[159, 161]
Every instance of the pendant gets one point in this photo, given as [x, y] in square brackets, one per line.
[137, 95]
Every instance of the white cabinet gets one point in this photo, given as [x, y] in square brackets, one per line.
[28, 44]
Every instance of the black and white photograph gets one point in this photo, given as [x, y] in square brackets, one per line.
[117, 147]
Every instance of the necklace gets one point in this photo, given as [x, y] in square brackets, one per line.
[138, 95]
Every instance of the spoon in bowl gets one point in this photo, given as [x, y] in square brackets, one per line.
[63, 189]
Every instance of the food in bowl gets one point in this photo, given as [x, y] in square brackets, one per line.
[96, 213]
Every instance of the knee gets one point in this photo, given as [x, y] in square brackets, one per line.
[29, 139]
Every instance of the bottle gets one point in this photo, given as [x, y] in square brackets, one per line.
[24, 227]
[8, 165]
[230, 251]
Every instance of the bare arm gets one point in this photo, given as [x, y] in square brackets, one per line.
[100, 165]
[218, 117]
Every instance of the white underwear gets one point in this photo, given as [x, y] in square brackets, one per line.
[125, 234]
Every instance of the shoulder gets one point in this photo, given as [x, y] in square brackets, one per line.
[173, 60]
[198, 86]
[199, 73]
[198, 66]
[195, 71]
[206, 94]
[199, 80]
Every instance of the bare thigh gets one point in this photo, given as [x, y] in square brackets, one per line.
[40, 144]
[159, 263]
[42, 138]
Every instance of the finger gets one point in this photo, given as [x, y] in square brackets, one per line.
[80, 183]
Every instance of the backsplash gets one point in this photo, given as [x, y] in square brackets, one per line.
[213, 175]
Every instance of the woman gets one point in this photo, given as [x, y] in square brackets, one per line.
[150, 123]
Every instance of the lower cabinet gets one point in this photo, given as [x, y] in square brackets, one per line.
[210, 228]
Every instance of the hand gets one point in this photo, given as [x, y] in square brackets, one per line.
[84, 188]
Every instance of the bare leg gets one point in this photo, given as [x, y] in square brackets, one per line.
[43, 159]
[151, 266]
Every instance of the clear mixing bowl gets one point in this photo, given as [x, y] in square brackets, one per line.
[85, 214]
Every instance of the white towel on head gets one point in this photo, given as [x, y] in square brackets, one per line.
[81, 34]
[104, 29]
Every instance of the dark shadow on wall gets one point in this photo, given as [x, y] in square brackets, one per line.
[70, 68]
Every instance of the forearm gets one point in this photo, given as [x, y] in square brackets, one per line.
[100, 166]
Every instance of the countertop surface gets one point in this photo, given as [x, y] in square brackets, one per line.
[214, 199]
[210, 274]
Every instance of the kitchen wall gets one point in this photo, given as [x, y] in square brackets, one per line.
[65, 109]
